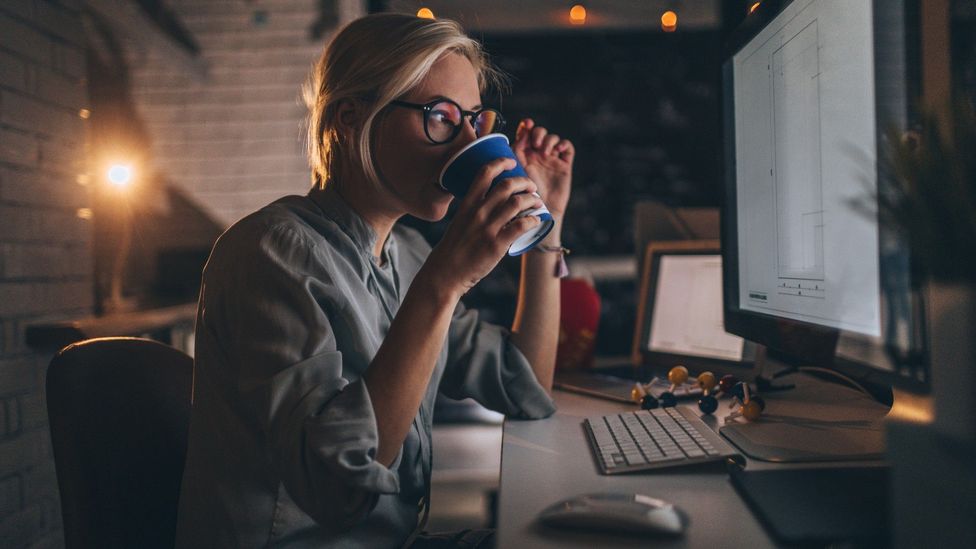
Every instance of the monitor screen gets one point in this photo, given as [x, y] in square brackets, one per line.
[811, 88]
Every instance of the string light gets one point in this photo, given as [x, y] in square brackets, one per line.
[577, 15]
[669, 21]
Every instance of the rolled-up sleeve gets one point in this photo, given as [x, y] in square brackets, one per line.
[271, 319]
[485, 365]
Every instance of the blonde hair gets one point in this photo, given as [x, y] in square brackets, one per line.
[374, 60]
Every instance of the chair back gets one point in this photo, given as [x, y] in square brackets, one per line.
[119, 412]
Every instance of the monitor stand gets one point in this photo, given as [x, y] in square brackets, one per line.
[816, 421]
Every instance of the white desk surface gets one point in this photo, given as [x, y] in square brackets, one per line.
[547, 460]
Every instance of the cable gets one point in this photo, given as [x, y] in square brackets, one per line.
[857, 385]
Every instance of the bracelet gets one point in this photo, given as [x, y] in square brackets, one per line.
[561, 271]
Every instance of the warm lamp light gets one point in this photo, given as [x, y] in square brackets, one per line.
[753, 7]
[425, 13]
[120, 175]
[577, 15]
[669, 21]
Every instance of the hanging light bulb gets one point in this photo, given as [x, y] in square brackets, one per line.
[577, 15]
[669, 21]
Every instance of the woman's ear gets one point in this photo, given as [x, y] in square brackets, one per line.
[349, 113]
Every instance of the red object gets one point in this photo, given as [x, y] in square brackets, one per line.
[580, 317]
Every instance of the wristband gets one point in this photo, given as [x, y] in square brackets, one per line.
[561, 271]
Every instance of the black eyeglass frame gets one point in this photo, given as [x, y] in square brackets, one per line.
[427, 108]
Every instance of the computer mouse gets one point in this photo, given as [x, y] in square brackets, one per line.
[624, 513]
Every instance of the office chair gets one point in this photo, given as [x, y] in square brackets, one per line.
[119, 412]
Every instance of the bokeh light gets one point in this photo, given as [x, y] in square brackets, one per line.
[120, 175]
[425, 13]
[577, 15]
[669, 21]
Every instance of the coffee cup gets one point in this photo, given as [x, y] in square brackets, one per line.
[460, 172]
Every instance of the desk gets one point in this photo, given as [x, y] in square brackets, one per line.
[547, 460]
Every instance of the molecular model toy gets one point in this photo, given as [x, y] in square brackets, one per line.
[743, 404]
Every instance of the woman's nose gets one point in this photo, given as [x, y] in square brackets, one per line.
[465, 136]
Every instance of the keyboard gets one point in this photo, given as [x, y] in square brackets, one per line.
[653, 439]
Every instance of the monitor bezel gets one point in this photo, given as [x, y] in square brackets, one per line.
[796, 341]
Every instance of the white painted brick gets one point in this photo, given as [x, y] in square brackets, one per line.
[19, 37]
[24, 451]
[23, 525]
[237, 167]
[225, 112]
[38, 261]
[41, 481]
[18, 375]
[60, 22]
[243, 21]
[195, 133]
[13, 72]
[217, 95]
[18, 148]
[188, 8]
[15, 421]
[25, 224]
[35, 298]
[215, 149]
[36, 188]
[73, 5]
[62, 157]
[33, 411]
[69, 59]
[50, 540]
[22, 8]
[58, 89]
[11, 494]
[26, 113]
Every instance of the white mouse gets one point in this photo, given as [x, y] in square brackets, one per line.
[630, 513]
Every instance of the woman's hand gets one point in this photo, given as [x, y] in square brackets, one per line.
[483, 228]
[548, 160]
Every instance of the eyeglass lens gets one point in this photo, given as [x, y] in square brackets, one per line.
[445, 118]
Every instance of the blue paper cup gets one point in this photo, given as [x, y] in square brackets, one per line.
[459, 173]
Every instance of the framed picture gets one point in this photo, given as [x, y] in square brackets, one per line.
[680, 309]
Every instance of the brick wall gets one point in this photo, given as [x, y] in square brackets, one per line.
[232, 140]
[45, 258]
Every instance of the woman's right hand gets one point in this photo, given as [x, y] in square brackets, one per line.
[483, 228]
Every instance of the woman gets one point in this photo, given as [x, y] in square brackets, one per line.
[325, 328]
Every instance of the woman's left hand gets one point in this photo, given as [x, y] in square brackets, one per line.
[548, 159]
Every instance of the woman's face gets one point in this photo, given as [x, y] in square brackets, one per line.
[408, 163]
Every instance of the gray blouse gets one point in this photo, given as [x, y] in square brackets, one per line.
[282, 441]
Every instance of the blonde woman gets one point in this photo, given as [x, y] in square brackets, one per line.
[325, 328]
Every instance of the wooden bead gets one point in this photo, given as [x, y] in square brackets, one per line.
[708, 404]
[649, 402]
[707, 381]
[751, 410]
[727, 382]
[678, 375]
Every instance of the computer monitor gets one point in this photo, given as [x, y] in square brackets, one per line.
[812, 91]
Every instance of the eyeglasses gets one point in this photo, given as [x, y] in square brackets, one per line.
[443, 119]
